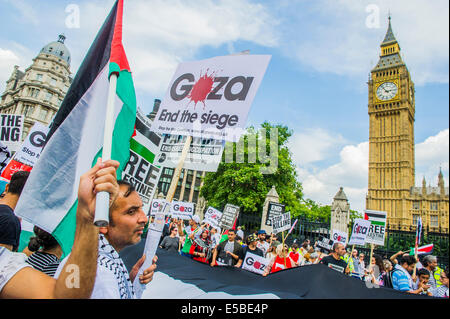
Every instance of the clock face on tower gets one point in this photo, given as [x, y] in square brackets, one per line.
[387, 91]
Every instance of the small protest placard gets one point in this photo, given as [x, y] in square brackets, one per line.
[281, 223]
[156, 204]
[377, 229]
[255, 263]
[182, 210]
[212, 217]
[359, 232]
[274, 209]
[11, 126]
[339, 237]
[325, 244]
[229, 215]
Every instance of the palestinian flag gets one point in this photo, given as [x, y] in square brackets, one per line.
[178, 277]
[375, 217]
[422, 250]
[418, 231]
[75, 140]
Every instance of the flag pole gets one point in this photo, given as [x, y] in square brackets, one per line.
[101, 218]
[177, 173]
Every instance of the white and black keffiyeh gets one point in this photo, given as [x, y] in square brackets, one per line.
[111, 261]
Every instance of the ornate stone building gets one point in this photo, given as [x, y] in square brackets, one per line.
[391, 111]
[39, 91]
[340, 212]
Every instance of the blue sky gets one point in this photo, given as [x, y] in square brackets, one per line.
[322, 52]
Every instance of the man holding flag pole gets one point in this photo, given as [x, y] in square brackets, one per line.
[102, 89]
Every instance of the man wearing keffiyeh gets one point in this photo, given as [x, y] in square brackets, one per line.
[126, 225]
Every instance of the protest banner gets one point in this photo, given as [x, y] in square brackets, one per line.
[181, 210]
[274, 209]
[212, 217]
[359, 232]
[11, 126]
[203, 154]
[30, 150]
[339, 237]
[5, 156]
[156, 204]
[281, 223]
[255, 263]
[151, 244]
[377, 227]
[325, 244]
[211, 98]
[417, 242]
[140, 170]
[28, 153]
[229, 215]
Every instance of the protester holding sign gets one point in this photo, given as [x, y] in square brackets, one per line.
[280, 262]
[201, 247]
[334, 260]
[250, 248]
[126, 224]
[189, 231]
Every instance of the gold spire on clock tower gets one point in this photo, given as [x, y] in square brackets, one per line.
[391, 134]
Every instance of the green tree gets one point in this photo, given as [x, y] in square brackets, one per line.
[245, 184]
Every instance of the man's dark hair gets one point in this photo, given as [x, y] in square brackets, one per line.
[410, 260]
[231, 230]
[17, 182]
[423, 272]
[130, 188]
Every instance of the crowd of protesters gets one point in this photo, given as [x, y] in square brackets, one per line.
[204, 243]
[197, 240]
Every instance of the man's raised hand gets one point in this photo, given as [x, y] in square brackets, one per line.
[100, 178]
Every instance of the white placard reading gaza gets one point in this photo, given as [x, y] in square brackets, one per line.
[156, 205]
[212, 217]
[359, 232]
[181, 210]
[211, 98]
[339, 237]
[255, 263]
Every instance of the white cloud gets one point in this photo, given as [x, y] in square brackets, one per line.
[158, 34]
[322, 184]
[431, 155]
[7, 61]
[315, 144]
[338, 40]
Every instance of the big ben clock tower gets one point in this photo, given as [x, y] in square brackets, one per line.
[391, 136]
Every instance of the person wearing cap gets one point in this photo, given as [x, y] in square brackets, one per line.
[189, 231]
[262, 244]
[252, 239]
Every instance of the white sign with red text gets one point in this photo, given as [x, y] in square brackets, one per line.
[211, 98]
